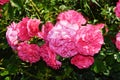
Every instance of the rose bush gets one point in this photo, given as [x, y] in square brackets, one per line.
[65, 39]
[59, 40]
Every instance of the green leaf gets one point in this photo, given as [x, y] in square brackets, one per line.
[17, 3]
[4, 73]
[94, 1]
[117, 56]
[7, 78]
[99, 66]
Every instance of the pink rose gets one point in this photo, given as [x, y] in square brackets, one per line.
[118, 40]
[117, 9]
[23, 32]
[73, 17]
[33, 27]
[89, 39]
[82, 61]
[49, 57]
[2, 2]
[61, 38]
[28, 28]
[12, 35]
[28, 52]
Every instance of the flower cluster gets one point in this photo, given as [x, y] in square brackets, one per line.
[19, 35]
[71, 37]
[117, 12]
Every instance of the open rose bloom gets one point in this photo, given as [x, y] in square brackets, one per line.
[82, 61]
[89, 39]
[28, 28]
[12, 35]
[117, 9]
[61, 39]
[28, 52]
[68, 38]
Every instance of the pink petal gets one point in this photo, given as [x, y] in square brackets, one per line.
[46, 28]
[49, 57]
[82, 61]
[118, 40]
[28, 52]
[2, 2]
[61, 38]
[23, 32]
[117, 9]
[72, 17]
[89, 39]
[12, 35]
[33, 27]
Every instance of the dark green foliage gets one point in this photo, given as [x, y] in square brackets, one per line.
[107, 62]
